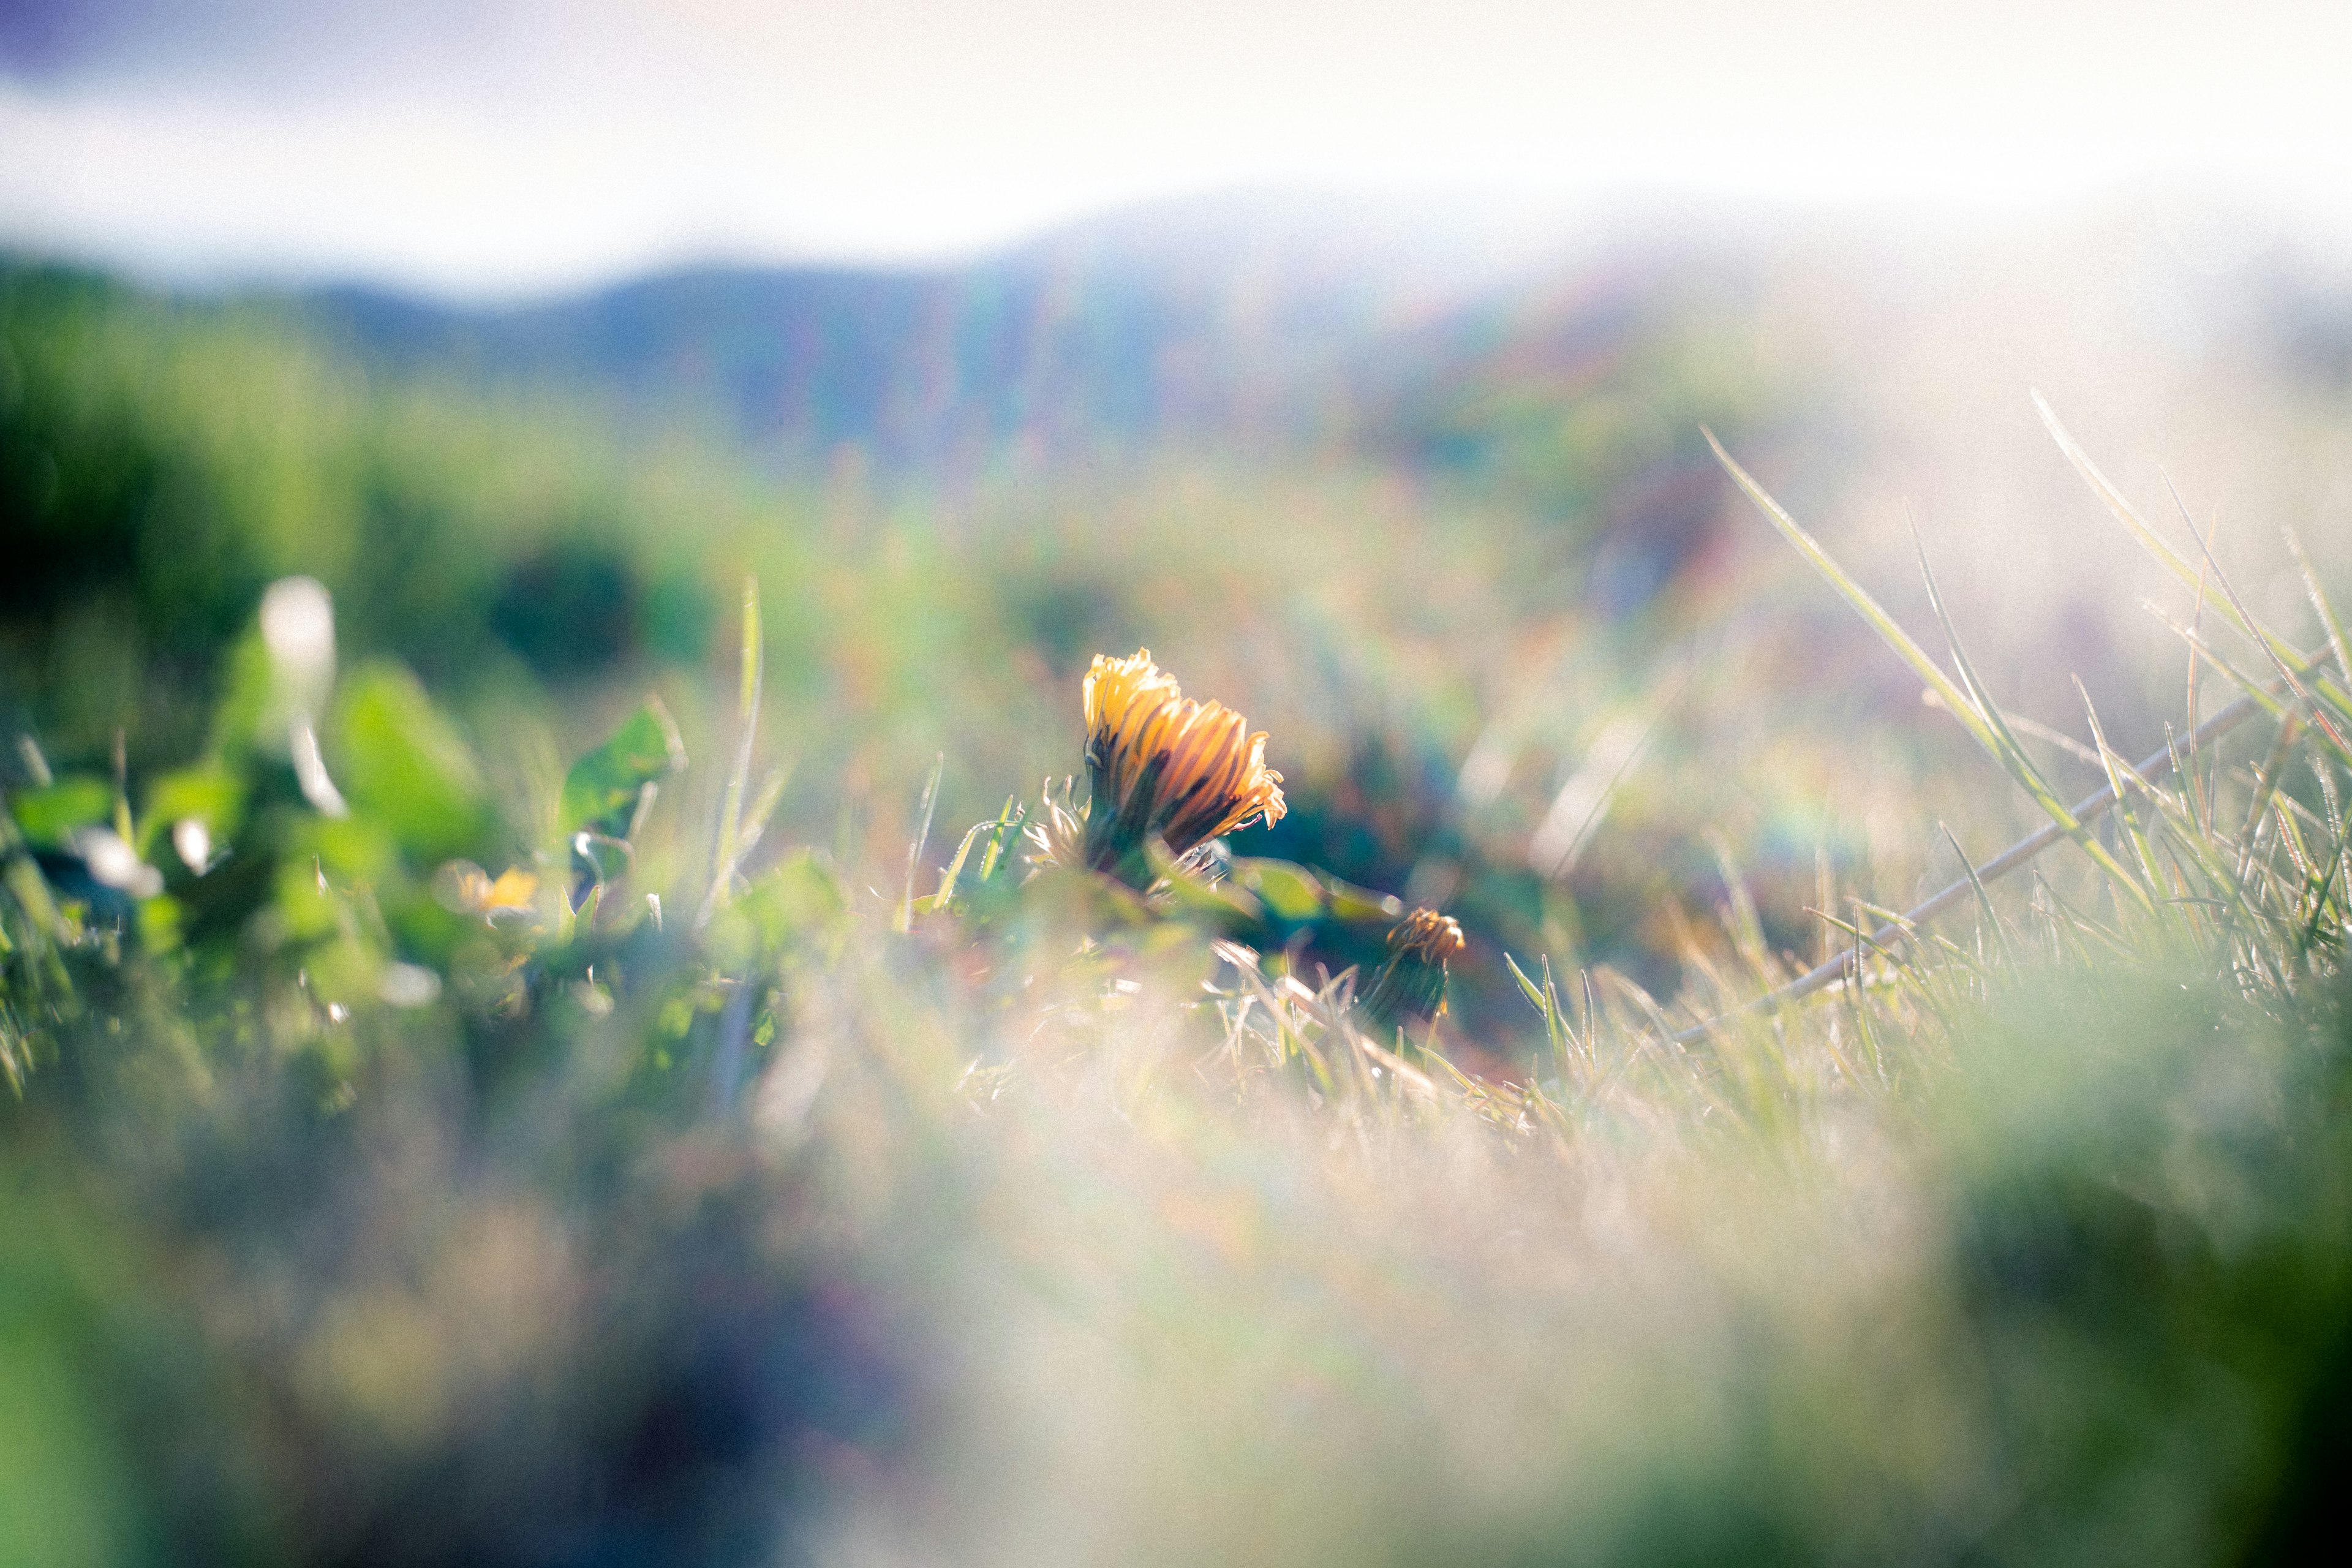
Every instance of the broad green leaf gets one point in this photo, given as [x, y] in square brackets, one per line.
[345, 969]
[798, 903]
[48, 816]
[1291, 892]
[404, 764]
[307, 908]
[159, 923]
[600, 792]
[1228, 906]
[210, 794]
[245, 701]
[1346, 903]
[354, 849]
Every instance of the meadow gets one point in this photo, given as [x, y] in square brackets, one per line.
[557, 1005]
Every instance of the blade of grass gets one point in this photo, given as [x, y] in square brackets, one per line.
[2328, 621]
[1544, 1000]
[2199, 784]
[905, 919]
[2270, 643]
[2003, 749]
[2199, 647]
[2266, 784]
[2018, 854]
[1984, 899]
[2053, 736]
[2178, 564]
[2012, 754]
[1559, 1011]
[946, 894]
[726, 851]
[1009, 824]
[2112, 765]
[1859, 597]
[2319, 901]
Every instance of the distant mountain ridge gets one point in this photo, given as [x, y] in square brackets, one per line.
[1251, 323]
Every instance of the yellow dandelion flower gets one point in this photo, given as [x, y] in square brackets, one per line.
[1160, 764]
[467, 889]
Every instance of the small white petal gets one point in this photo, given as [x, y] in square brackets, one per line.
[116, 864]
[193, 840]
[409, 985]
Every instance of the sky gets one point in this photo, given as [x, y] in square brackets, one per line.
[504, 147]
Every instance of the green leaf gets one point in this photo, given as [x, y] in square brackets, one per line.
[211, 795]
[245, 700]
[308, 909]
[357, 849]
[1350, 904]
[1290, 892]
[798, 903]
[404, 764]
[1227, 907]
[600, 792]
[49, 815]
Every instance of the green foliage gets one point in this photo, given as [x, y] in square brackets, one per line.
[798, 909]
[603, 791]
[160, 463]
[48, 816]
[407, 766]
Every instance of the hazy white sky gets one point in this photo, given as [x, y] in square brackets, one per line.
[511, 144]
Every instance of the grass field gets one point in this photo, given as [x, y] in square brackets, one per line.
[537, 1029]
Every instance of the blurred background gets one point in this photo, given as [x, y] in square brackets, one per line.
[1355, 359]
[1355, 362]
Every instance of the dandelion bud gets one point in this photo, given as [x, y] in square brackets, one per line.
[1411, 982]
